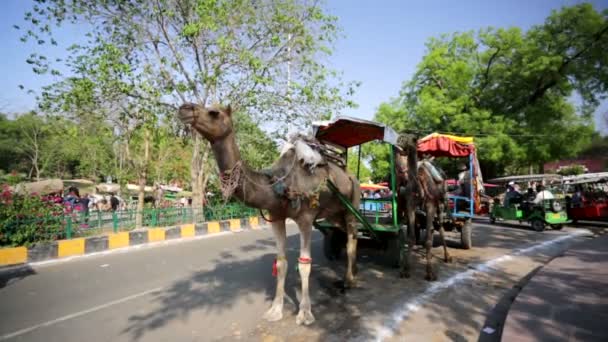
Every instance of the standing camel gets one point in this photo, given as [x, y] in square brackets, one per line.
[294, 188]
[419, 184]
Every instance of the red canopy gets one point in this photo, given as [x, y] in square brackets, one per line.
[441, 145]
[348, 132]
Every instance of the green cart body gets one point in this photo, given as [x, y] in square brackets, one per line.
[548, 213]
[377, 219]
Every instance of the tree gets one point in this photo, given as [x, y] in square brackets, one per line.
[510, 89]
[10, 155]
[263, 56]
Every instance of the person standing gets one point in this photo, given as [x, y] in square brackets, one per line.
[114, 202]
[84, 202]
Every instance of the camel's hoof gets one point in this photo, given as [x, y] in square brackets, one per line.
[275, 313]
[305, 317]
[350, 283]
[430, 277]
[448, 260]
[404, 274]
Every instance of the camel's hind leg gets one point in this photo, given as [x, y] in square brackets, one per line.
[351, 251]
[275, 312]
[350, 225]
[430, 215]
[441, 214]
[305, 314]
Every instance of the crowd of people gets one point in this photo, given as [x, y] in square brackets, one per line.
[377, 194]
[535, 194]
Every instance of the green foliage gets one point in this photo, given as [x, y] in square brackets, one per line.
[266, 56]
[571, 170]
[378, 156]
[511, 89]
[257, 149]
[25, 219]
[44, 146]
[365, 173]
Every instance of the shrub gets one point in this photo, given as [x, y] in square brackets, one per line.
[26, 219]
[571, 170]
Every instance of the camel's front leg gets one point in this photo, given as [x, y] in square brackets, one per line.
[305, 314]
[275, 312]
[408, 265]
[430, 216]
[351, 253]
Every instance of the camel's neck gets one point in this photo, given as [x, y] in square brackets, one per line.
[254, 189]
[226, 152]
[412, 160]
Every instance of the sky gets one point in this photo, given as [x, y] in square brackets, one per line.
[383, 42]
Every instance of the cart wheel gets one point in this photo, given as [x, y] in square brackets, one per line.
[538, 225]
[333, 243]
[492, 219]
[557, 226]
[395, 248]
[465, 235]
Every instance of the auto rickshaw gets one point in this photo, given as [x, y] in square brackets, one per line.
[546, 212]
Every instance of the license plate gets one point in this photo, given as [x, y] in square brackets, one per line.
[555, 216]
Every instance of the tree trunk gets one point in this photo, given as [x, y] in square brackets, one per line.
[196, 168]
[143, 175]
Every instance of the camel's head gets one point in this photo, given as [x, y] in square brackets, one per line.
[407, 141]
[213, 123]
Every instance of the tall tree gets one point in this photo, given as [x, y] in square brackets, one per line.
[263, 56]
[512, 89]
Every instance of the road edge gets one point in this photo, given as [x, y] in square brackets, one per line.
[61, 249]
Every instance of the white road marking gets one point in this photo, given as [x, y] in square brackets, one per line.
[104, 265]
[413, 305]
[78, 314]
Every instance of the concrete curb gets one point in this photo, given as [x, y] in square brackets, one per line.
[81, 246]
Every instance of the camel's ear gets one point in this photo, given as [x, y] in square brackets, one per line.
[229, 110]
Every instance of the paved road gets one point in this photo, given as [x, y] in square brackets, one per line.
[217, 288]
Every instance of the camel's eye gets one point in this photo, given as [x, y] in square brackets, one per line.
[214, 113]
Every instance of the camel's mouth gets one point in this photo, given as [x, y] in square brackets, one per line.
[186, 113]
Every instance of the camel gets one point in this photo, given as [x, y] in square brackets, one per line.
[419, 184]
[295, 187]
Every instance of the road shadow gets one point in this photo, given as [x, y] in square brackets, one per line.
[340, 315]
[211, 291]
[9, 277]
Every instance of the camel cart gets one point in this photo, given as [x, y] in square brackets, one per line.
[464, 204]
[377, 217]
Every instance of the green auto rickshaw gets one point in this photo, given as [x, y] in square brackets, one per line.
[541, 210]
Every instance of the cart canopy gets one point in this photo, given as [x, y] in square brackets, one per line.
[527, 178]
[444, 145]
[599, 177]
[348, 132]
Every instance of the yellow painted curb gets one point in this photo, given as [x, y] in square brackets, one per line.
[14, 255]
[254, 223]
[235, 224]
[187, 230]
[156, 234]
[213, 227]
[70, 247]
[118, 240]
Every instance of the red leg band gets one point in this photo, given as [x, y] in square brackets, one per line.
[305, 260]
